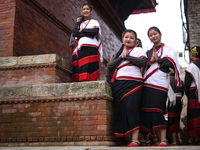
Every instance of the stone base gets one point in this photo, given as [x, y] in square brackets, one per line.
[33, 70]
[83, 143]
[69, 113]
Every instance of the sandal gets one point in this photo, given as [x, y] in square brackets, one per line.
[134, 143]
[180, 142]
[190, 141]
[155, 144]
[163, 143]
[142, 142]
[174, 144]
[148, 143]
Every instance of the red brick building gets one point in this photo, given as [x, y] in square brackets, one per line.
[192, 11]
[38, 104]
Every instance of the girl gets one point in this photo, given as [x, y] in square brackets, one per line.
[192, 91]
[174, 109]
[127, 86]
[156, 83]
[88, 34]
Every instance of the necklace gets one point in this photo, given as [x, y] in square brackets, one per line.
[160, 49]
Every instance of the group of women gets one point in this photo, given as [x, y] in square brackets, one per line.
[140, 80]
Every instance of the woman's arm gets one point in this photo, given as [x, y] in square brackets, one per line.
[91, 32]
[76, 29]
[114, 62]
[140, 62]
[188, 81]
[165, 63]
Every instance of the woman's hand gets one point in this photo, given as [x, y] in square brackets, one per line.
[78, 19]
[153, 57]
[156, 57]
[124, 52]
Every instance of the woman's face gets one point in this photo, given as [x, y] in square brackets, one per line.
[154, 36]
[129, 39]
[86, 11]
[191, 56]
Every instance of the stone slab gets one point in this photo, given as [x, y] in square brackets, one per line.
[15, 92]
[97, 88]
[8, 61]
[34, 60]
[37, 59]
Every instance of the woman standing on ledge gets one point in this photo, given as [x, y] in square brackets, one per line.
[87, 31]
[156, 83]
[127, 84]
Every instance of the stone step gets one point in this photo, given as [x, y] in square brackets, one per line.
[101, 148]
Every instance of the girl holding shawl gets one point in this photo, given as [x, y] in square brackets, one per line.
[156, 83]
[127, 82]
[174, 108]
[87, 32]
[192, 91]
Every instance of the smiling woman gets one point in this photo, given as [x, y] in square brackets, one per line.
[85, 54]
[127, 84]
[156, 83]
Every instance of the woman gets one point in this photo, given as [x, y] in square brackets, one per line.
[192, 91]
[127, 86]
[88, 34]
[156, 83]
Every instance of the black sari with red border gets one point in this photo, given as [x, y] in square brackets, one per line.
[153, 108]
[193, 114]
[127, 97]
[88, 63]
[174, 114]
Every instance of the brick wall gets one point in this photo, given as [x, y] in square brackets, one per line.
[194, 22]
[34, 70]
[7, 16]
[43, 27]
[69, 121]
[37, 34]
[34, 74]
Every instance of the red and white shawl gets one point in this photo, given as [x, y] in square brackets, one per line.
[156, 78]
[194, 71]
[93, 42]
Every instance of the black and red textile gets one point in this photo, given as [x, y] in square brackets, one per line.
[75, 69]
[127, 97]
[152, 108]
[88, 63]
[174, 113]
[193, 114]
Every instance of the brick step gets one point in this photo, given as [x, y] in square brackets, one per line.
[34, 70]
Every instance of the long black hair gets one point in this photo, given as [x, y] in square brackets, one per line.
[129, 30]
[90, 6]
[153, 28]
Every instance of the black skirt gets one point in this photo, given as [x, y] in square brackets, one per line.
[127, 96]
[174, 113]
[88, 62]
[75, 68]
[153, 107]
[193, 114]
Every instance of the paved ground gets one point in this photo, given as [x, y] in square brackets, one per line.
[102, 148]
